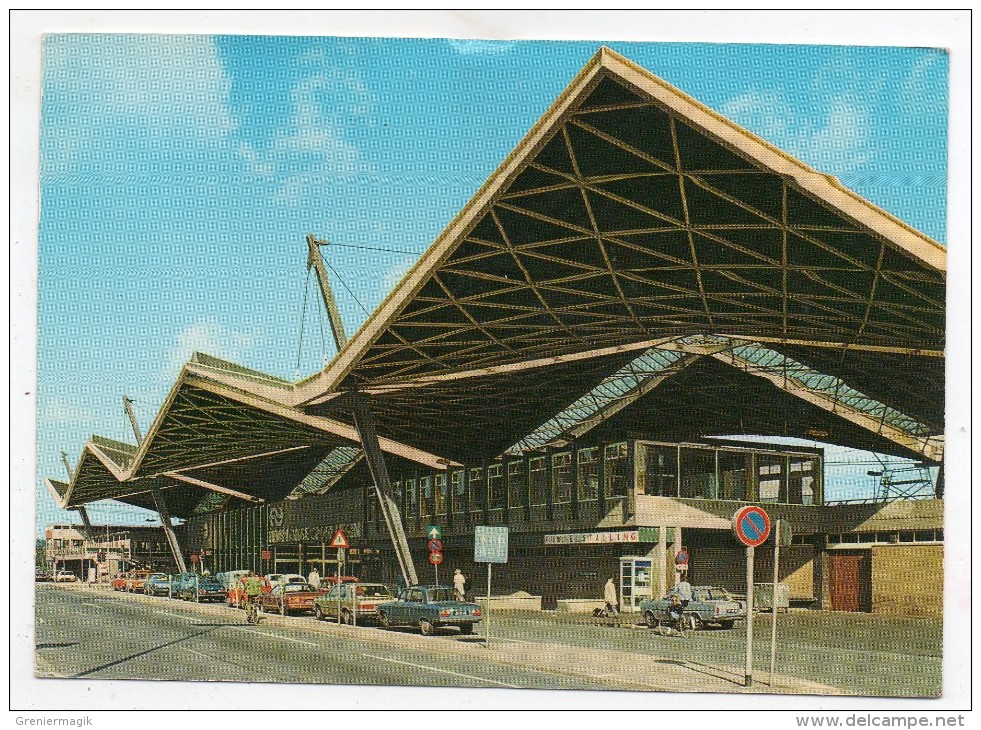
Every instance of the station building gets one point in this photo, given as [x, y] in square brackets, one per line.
[640, 284]
[102, 551]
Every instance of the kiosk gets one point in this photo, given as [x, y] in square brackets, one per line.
[635, 582]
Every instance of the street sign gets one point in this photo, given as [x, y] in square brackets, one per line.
[434, 532]
[435, 558]
[435, 545]
[490, 544]
[340, 540]
[751, 525]
[195, 557]
[266, 554]
[681, 558]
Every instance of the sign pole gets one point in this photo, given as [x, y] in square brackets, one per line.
[487, 609]
[776, 578]
[337, 573]
[436, 569]
[750, 555]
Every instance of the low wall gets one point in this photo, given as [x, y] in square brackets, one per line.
[516, 602]
[578, 605]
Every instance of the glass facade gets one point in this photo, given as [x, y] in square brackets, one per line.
[587, 475]
[588, 487]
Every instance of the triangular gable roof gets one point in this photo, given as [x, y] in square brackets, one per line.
[563, 250]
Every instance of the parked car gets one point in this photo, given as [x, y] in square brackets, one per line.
[43, 576]
[429, 608]
[275, 578]
[202, 588]
[709, 605]
[358, 601]
[130, 581]
[65, 576]
[331, 580]
[157, 584]
[287, 598]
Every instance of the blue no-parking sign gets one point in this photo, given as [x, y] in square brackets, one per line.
[751, 525]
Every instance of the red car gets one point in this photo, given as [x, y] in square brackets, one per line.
[289, 598]
[130, 582]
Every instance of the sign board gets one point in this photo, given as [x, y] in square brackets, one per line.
[751, 525]
[490, 544]
[340, 540]
[681, 558]
[434, 532]
[266, 555]
[195, 557]
[587, 538]
[435, 545]
[435, 558]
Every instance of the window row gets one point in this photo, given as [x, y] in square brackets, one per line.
[704, 472]
[532, 481]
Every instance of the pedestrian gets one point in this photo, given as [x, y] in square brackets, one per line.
[314, 579]
[683, 590]
[459, 584]
[610, 597]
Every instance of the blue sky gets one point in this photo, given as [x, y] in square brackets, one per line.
[180, 175]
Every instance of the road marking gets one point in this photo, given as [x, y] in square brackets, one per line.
[176, 615]
[521, 641]
[442, 671]
[277, 636]
[206, 656]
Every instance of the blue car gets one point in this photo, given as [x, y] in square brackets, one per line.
[202, 588]
[157, 584]
[429, 608]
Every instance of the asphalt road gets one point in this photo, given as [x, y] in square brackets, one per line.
[93, 633]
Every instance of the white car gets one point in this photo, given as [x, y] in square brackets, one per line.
[65, 576]
[277, 578]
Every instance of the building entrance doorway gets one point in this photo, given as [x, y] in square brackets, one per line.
[850, 581]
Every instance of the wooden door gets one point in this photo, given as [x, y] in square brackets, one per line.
[850, 581]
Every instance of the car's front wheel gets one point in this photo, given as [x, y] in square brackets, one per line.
[346, 617]
[466, 629]
[426, 627]
[650, 619]
[384, 620]
[318, 613]
[726, 624]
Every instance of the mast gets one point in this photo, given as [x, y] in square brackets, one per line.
[364, 422]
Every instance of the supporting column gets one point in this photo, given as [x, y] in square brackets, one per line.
[168, 528]
[678, 542]
[662, 560]
[365, 423]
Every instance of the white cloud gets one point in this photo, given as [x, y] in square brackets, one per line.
[836, 143]
[60, 410]
[211, 337]
[162, 81]
[312, 146]
[471, 47]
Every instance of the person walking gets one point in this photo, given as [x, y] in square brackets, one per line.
[683, 590]
[610, 597]
[314, 579]
[459, 584]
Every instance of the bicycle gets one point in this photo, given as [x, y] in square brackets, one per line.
[253, 614]
[680, 624]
